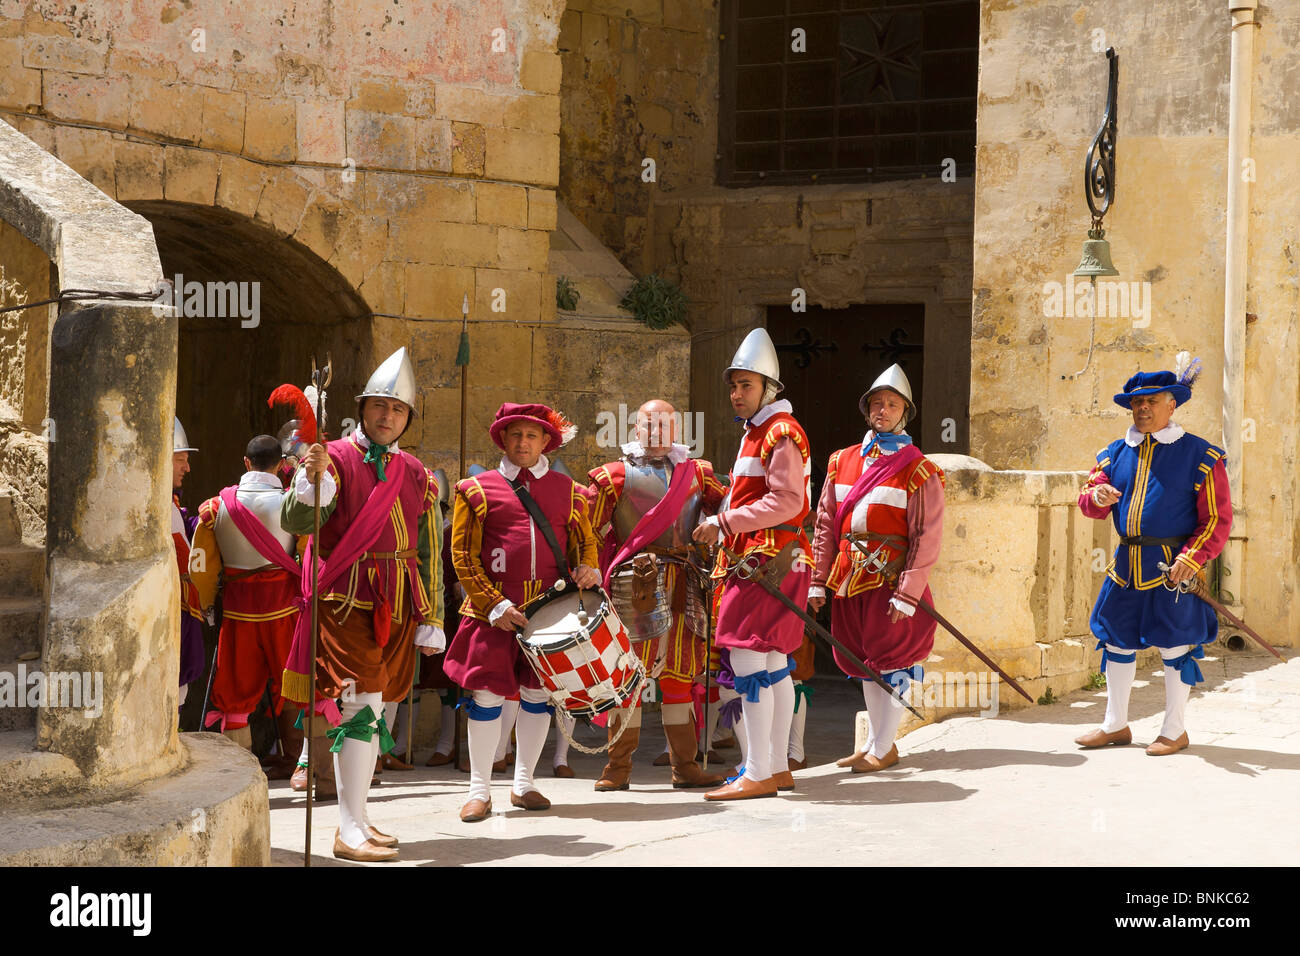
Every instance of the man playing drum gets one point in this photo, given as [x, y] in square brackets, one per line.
[503, 558]
[763, 513]
[645, 506]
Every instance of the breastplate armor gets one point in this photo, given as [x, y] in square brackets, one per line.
[644, 486]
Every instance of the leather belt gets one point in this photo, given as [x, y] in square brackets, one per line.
[1143, 539]
[382, 555]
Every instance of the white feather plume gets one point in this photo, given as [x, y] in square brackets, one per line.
[1187, 369]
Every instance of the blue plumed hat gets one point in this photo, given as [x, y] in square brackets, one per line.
[1177, 383]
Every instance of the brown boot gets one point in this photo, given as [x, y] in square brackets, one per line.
[618, 771]
[681, 749]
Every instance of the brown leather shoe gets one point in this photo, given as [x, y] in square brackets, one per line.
[380, 838]
[499, 766]
[663, 760]
[1163, 746]
[298, 782]
[1099, 738]
[798, 764]
[563, 770]
[475, 810]
[851, 759]
[439, 759]
[744, 789]
[532, 800]
[784, 780]
[368, 852]
[726, 743]
[870, 764]
[390, 761]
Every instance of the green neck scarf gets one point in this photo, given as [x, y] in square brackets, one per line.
[375, 456]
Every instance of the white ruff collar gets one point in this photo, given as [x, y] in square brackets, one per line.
[767, 411]
[360, 438]
[511, 470]
[1166, 436]
[676, 454]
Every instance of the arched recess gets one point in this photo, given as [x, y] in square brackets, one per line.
[227, 366]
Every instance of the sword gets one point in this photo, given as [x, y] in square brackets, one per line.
[966, 642]
[748, 569]
[1196, 586]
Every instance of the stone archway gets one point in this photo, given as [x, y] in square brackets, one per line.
[228, 364]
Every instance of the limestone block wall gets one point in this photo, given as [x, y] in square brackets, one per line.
[25, 276]
[639, 82]
[1020, 568]
[738, 251]
[1038, 111]
[113, 600]
[412, 148]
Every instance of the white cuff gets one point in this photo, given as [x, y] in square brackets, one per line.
[1093, 496]
[816, 591]
[426, 635]
[305, 491]
[501, 607]
[906, 609]
[713, 520]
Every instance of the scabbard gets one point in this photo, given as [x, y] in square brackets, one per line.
[1199, 591]
[820, 631]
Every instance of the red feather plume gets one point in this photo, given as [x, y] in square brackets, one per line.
[292, 396]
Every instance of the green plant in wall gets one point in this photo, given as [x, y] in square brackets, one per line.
[656, 301]
[566, 294]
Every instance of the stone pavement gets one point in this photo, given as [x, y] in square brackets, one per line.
[1010, 790]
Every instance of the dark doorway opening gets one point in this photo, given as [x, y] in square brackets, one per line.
[829, 357]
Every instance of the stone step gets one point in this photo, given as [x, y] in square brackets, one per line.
[11, 530]
[212, 812]
[22, 571]
[20, 626]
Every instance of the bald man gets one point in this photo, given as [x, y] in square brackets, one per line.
[668, 621]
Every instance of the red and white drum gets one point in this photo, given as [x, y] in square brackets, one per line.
[580, 651]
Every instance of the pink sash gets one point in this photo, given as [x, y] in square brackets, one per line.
[363, 531]
[262, 540]
[883, 468]
[659, 518]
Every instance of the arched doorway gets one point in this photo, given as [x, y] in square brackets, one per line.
[285, 304]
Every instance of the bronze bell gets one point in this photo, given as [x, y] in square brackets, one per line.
[1096, 256]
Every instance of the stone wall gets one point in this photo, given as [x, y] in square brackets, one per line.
[418, 172]
[1042, 89]
[738, 251]
[639, 82]
[25, 276]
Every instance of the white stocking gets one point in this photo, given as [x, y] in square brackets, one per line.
[795, 750]
[447, 730]
[509, 711]
[354, 765]
[1119, 684]
[873, 721]
[483, 738]
[1176, 694]
[782, 713]
[886, 715]
[757, 714]
[561, 741]
[530, 730]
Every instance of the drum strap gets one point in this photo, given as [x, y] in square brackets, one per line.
[535, 512]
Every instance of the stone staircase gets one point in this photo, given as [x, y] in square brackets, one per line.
[22, 591]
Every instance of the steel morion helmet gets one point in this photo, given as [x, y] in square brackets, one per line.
[179, 441]
[894, 379]
[395, 378]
